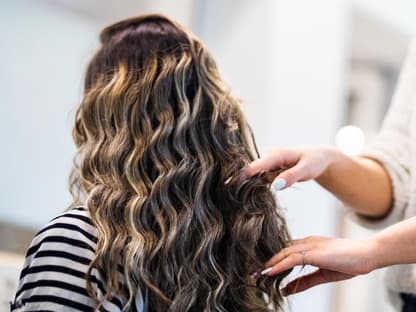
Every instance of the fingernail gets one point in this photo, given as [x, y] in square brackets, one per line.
[265, 271]
[278, 184]
[255, 275]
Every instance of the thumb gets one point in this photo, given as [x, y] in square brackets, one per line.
[290, 176]
[320, 276]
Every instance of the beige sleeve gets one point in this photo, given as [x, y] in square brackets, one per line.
[391, 146]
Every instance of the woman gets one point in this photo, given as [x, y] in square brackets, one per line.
[158, 223]
[380, 187]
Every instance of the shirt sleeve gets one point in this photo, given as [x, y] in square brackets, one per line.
[391, 147]
[56, 265]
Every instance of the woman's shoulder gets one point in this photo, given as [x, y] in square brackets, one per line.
[56, 265]
[72, 224]
[54, 275]
[71, 236]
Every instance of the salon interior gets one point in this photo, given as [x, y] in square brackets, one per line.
[307, 72]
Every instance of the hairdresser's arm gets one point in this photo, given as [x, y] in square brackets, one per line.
[339, 259]
[361, 183]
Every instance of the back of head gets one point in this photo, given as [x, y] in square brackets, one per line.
[159, 136]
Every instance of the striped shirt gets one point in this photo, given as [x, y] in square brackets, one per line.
[54, 273]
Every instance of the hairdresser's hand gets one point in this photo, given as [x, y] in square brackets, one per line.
[336, 260]
[290, 165]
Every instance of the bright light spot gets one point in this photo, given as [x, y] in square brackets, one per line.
[350, 140]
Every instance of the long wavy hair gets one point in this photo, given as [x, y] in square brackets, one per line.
[160, 143]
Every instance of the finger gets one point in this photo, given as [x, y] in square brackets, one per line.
[320, 276]
[304, 240]
[270, 176]
[287, 263]
[271, 162]
[296, 246]
[265, 163]
[297, 173]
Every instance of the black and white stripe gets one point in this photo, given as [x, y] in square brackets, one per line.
[54, 273]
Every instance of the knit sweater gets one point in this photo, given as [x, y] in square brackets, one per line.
[395, 148]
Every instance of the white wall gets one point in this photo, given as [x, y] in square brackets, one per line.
[399, 13]
[43, 55]
[286, 60]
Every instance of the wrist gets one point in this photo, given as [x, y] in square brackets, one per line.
[377, 252]
[329, 158]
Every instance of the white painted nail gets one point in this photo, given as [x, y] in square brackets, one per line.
[278, 184]
[255, 275]
[265, 271]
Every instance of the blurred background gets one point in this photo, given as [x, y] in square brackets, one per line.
[309, 72]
